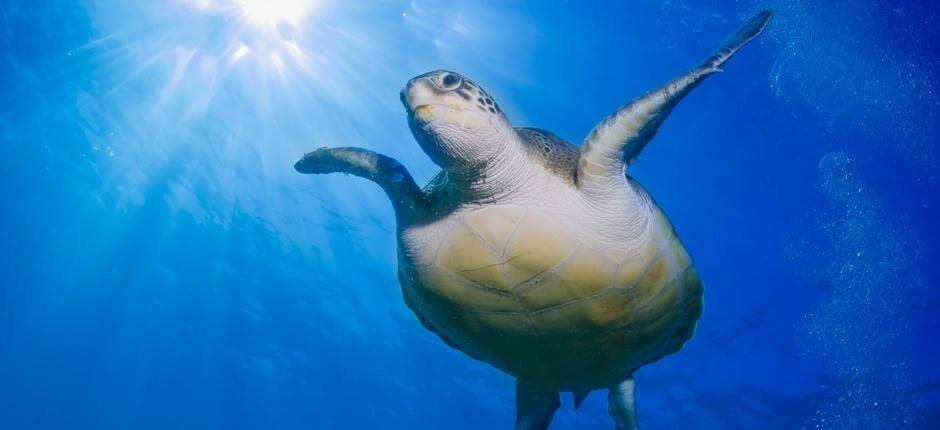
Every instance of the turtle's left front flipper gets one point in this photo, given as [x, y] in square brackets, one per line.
[388, 173]
[618, 140]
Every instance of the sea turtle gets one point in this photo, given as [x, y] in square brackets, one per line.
[530, 254]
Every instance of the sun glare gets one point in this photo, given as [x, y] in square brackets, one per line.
[273, 12]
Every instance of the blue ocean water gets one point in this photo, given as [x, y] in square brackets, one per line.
[163, 266]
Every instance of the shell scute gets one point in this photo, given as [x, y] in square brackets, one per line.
[546, 291]
[656, 273]
[495, 226]
[598, 312]
[564, 318]
[498, 324]
[465, 254]
[536, 247]
[465, 294]
[609, 309]
[587, 272]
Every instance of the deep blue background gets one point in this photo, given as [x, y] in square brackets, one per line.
[162, 266]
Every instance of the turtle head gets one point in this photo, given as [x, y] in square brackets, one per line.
[454, 120]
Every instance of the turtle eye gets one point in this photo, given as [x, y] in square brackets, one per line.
[450, 81]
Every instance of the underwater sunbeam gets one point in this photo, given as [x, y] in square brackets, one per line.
[270, 13]
[321, 73]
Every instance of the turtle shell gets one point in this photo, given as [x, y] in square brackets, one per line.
[509, 287]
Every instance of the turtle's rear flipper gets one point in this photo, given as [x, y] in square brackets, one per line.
[619, 138]
[534, 406]
[579, 397]
[388, 173]
[621, 405]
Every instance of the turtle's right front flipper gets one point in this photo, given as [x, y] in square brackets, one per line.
[619, 138]
[388, 173]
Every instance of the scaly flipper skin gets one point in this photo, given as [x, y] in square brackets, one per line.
[621, 405]
[535, 407]
[388, 173]
[620, 138]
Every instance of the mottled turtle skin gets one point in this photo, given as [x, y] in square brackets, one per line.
[525, 286]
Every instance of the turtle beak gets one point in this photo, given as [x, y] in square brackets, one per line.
[419, 95]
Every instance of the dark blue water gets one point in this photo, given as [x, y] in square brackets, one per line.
[162, 265]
